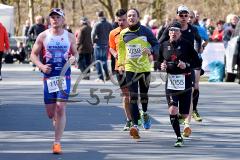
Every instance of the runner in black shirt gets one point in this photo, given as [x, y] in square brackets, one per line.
[178, 58]
[190, 34]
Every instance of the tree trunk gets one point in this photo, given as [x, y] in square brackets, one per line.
[57, 4]
[123, 4]
[82, 8]
[107, 4]
[3, 1]
[31, 11]
[73, 13]
[53, 4]
[41, 6]
[61, 4]
[18, 18]
[158, 9]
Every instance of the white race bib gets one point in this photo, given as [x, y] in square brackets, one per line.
[134, 50]
[176, 82]
[54, 82]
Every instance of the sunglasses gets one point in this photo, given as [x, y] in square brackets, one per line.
[183, 15]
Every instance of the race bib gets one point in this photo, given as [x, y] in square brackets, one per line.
[176, 82]
[134, 50]
[53, 84]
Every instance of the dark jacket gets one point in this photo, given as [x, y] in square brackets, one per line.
[84, 43]
[100, 32]
[190, 34]
[35, 30]
[182, 50]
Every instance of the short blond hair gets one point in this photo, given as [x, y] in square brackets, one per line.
[230, 17]
[39, 19]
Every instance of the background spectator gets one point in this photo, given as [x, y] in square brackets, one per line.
[33, 32]
[229, 28]
[99, 36]
[26, 28]
[217, 35]
[210, 27]
[84, 46]
[145, 21]
[21, 54]
[154, 27]
[4, 45]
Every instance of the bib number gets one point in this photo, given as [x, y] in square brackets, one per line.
[134, 50]
[176, 82]
[53, 84]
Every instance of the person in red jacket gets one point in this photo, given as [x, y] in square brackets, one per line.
[217, 35]
[4, 44]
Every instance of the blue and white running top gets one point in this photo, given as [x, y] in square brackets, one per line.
[56, 51]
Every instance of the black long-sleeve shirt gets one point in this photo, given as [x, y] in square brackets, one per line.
[190, 34]
[182, 50]
[35, 30]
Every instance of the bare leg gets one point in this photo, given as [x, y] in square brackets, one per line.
[189, 116]
[60, 120]
[50, 109]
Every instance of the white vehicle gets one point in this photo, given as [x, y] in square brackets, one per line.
[232, 57]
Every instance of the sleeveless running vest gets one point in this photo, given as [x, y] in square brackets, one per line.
[56, 51]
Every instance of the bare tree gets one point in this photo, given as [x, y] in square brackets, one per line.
[82, 7]
[31, 11]
[5, 1]
[107, 4]
[109, 8]
[57, 4]
[207, 8]
[73, 13]
[158, 7]
[17, 29]
[123, 4]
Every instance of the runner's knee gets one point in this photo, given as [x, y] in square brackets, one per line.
[50, 108]
[173, 110]
[60, 109]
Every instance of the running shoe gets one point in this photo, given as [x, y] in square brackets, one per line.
[139, 121]
[134, 132]
[107, 78]
[57, 149]
[196, 116]
[140, 117]
[99, 80]
[127, 126]
[179, 142]
[146, 121]
[181, 119]
[187, 130]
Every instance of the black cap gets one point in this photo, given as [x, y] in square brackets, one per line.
[84, 19]
[175, 24]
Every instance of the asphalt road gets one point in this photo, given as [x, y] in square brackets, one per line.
[94, 127]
